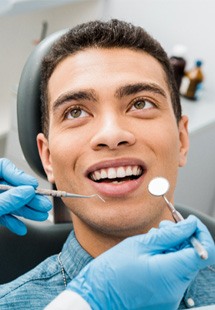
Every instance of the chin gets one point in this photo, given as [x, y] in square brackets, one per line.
[118, 220]
[120, 229]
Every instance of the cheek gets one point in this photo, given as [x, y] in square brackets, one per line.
[170, 161]
[63, 152]
[166, 146]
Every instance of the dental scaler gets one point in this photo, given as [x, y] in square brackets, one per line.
[53, 193]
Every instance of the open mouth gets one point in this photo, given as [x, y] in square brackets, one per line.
[116, 175]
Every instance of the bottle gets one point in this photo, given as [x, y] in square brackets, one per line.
[192, 82]
[178, 63]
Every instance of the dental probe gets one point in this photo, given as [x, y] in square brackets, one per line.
[53, 193]
[158, 187]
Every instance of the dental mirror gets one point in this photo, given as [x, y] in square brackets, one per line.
[158, 186]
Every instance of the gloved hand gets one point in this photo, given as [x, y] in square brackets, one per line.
[21, 200]
[150, 271]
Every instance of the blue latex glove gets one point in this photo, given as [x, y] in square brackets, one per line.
[20, 201]
[150, 271]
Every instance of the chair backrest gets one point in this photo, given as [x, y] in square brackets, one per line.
[20, 254]
[29, 103]
[29, 114]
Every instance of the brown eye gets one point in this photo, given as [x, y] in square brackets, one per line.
[140, 104]
[76, 112]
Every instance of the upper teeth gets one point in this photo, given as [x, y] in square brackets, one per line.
[113, 173]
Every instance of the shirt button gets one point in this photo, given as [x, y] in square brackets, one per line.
[190, 302]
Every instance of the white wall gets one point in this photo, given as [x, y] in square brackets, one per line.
[17, 35]
[190, 22]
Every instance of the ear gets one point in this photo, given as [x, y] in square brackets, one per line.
[184, 140]
[43, 148]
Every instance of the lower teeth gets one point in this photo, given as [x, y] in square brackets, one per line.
[116, 182]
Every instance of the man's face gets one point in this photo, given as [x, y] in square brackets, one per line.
[112, 129]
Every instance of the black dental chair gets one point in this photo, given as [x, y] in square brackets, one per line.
[20, 254]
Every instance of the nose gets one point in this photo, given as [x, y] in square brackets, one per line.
[112, 133]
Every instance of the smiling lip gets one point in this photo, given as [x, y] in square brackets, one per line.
[116, 177]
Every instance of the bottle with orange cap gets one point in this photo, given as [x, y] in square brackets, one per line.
[191, 85]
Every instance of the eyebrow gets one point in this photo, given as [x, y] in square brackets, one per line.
[132, 89]
[75, 96]
[123, 91]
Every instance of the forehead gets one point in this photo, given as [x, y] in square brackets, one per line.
[105, 69]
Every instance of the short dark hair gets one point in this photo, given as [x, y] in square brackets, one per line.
[110, 34]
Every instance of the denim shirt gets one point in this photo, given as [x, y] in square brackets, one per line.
[38, 287]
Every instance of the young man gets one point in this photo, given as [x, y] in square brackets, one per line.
[111, 123]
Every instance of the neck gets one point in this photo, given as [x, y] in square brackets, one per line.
[95, 242]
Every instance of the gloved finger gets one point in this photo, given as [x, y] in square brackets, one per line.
[187, 262]
[40, 203]
[31, 214]
[162, 239]
[205, 238]
[13, 224]
[186, 243]
[166, 223]
[188, 255]
[201, 231]
[14, 176]
[15, 198]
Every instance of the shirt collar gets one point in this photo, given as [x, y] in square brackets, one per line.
[73, 256]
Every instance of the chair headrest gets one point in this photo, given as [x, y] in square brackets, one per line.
[29, 103]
